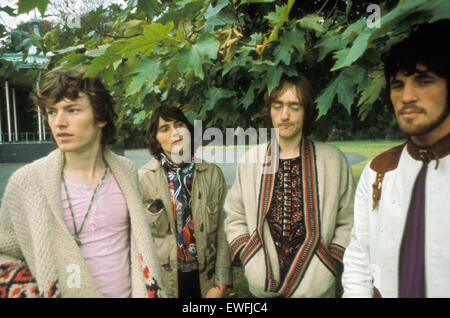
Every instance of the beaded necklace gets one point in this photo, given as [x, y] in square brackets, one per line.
[75, 230]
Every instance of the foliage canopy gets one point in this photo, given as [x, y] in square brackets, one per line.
[216, 58]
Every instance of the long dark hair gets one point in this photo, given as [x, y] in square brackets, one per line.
[168, 113]
[304, 93]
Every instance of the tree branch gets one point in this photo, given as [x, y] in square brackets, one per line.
[320, 10]
[332, 10]
[83, 20]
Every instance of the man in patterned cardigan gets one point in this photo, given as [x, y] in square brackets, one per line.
[289, 211]
[72, 224]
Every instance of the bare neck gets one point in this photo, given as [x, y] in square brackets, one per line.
[290, 148]
[86, 167]
[435, 135]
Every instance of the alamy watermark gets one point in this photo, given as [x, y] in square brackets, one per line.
[224, 149]
[374, 20]
[74, 278]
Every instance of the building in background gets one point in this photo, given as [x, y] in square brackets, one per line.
[23, 136]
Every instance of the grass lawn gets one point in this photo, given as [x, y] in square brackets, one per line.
[369, 149]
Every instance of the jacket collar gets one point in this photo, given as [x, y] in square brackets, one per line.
[435, 151]
[155, 164]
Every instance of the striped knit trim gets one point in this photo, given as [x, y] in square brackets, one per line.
[53, 291]
[253, 245]
[237, 244]
[337, 251]
[16, 281]
[324, 255]
[151, 284]
[311, 216]
[270, 168]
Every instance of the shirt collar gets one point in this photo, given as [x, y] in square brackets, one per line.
[436, 151]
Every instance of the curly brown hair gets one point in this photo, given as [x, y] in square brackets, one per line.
[69, 83]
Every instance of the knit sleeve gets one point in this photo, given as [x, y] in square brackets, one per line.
[16, 280]
[344, 220]
[223, 261]
[9, 247]
[235, 221]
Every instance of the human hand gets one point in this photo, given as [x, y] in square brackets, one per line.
[214, 293]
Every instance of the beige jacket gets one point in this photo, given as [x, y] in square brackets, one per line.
[33, 232]
[208, 194]
[317, 263]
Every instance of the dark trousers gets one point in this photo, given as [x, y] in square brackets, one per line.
[189, 284]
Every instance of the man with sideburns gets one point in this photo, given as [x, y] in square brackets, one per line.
[290, 209]
[400, 243]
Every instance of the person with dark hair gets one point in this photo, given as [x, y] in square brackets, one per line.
[290, 209]
[399, 245]
[72, 224]
[184, 202]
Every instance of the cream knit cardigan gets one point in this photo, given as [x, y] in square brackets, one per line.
[32, 230]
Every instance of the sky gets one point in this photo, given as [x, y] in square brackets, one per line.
[12, 22]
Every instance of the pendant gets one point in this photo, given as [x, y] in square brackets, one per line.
[78, 241]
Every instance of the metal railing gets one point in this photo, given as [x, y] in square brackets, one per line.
[24, 137]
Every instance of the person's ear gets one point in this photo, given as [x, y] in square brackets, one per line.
[101, 124]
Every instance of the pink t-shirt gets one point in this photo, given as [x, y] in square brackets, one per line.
[105, 235]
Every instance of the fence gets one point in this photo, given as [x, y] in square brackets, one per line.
[25, 137]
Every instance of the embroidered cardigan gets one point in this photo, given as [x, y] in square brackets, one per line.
[328, 220]
[38, 256]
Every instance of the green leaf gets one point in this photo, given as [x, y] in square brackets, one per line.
[212, 12]
[111, 55]
[180, 11]
[150, 7]
[328, 43]
[133, 27]
[373, 90]
[312, 21]
[274, 79]
[346, 95]
[279, 17]
[352, 31]
[157, 31]
[145, 44]
[71, 49]
[25, 6]
[256, 1]
[72, 59]
[148, 71]
[193, 58]
[207, 45]
[97, 52]
[214, 17]
[290, 40]
[442, 11]
[214, 95]
[239, 61]
[190, 59]
[139, 117]
[249, 97]
[325, 99]
[346, 57]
